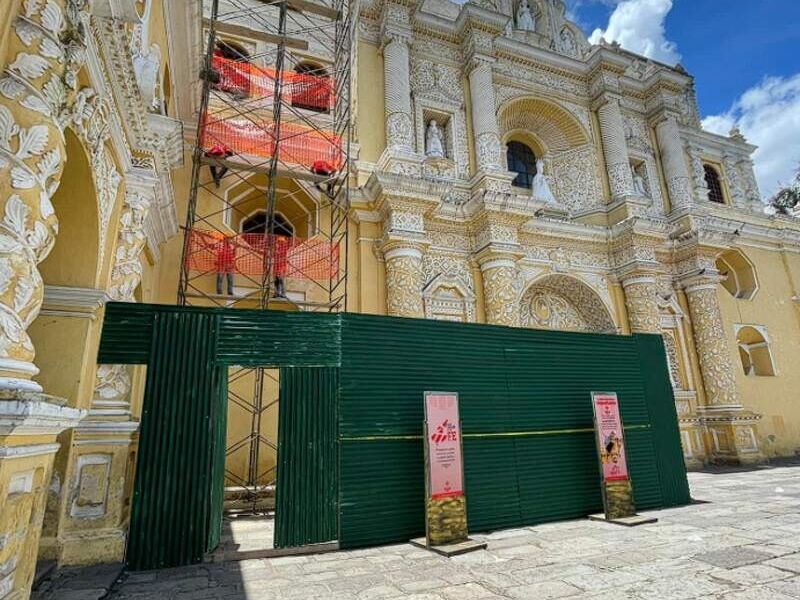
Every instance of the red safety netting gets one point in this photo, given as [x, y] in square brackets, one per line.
[305, 90]
[245, 253]
[298, 144]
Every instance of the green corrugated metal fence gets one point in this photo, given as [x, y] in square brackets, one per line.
[176, 501]
[350, 443]
[526, 415]
[306, 488]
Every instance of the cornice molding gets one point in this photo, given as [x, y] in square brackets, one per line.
[78, 302]
[35, 414]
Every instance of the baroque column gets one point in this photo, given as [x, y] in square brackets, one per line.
[615, 149]
[397, 93]
[672, 160]
[500, 290]
[484, 120]
[46, 49]
[712, 346]
[640, 301]
[404, 280]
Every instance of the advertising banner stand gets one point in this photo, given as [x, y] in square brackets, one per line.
[445, 500]
[615, 482]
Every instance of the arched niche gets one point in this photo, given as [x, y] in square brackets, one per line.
[554, 128]
[739, 274]
[564, 303]
[754, 351]
[561, 140]
[74, 260]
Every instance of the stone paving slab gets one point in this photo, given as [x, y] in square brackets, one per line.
[742, 544]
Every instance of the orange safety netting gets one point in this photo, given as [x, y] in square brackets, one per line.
[297, 145]
[246, 254]
[305, 90]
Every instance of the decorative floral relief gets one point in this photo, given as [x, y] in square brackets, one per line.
[712, 347]
[500, 286]
[564, 302]
[574, 178]
[640, 300]
[543, 309]
[38, 84]
[404, 281]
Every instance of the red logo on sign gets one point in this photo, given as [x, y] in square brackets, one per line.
[444, 432]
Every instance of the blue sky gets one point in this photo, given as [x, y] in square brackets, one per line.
[744, 54]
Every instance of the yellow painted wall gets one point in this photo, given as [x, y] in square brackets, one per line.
[778, 397]
[371, 129]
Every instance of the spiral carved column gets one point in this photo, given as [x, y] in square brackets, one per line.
[640, 300]
[397, 94]
[615, 149]
[500, 291]
[404, 281]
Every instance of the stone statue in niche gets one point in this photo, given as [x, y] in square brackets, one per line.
[639, 184]
[434, 144]
[568, 44]
[525, 20]
[540, 190]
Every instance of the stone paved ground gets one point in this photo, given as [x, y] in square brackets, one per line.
[743, 544]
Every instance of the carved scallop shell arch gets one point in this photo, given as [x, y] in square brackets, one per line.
[564, 303]
[556, 127]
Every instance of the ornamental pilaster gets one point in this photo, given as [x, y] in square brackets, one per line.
[615, 148]
[37, 97]
[711, 342]
[404, 280]
[673, 162]
[500, 289]
[397, 91]
[484, 120]
[641, 302]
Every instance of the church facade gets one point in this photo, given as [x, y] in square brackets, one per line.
[506, 172]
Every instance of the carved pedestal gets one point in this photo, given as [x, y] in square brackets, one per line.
[29, 427]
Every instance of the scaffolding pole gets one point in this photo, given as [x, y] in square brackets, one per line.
[266, 223]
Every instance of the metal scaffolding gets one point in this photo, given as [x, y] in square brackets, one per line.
[266, 224]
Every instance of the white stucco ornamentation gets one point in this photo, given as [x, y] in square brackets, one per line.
[500, 285]
[36, 90]
[712, 346]
[404, 282]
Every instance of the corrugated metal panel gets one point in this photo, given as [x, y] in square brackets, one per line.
[307, 492]
[246, 337]
[172, 512]
[663, 415]
[261, 338]
[127, 334]
[526, 414]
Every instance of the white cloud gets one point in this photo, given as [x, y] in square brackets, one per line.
[638, 25]
[768, 115]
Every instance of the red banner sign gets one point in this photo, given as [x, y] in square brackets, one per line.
[611, 447]
[445, 470]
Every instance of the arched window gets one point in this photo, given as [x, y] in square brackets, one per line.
[714, 184]
[311, 88]
[754, 352]
[522, 161]
[258, 223]
[232, 64]
[739, 275]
